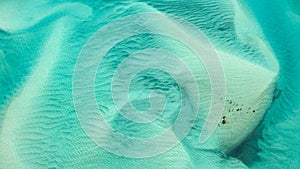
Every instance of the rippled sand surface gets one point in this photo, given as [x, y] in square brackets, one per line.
[44, 88]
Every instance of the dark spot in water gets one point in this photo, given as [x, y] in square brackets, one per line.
[224, 117]
[253, 111]
[222, 28]
[276, 93]
[223, 121]
[237, 109]
[4, 32]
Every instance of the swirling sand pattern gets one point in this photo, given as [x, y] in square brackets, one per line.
[40, 45]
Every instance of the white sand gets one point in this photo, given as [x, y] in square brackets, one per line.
[21, 104]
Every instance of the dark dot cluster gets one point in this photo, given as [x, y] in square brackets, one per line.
[224, 120]
[236, 107]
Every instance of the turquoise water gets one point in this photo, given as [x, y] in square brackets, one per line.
[280, 24]
[257, 43]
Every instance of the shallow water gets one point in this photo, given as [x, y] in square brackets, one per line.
[47, 94]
